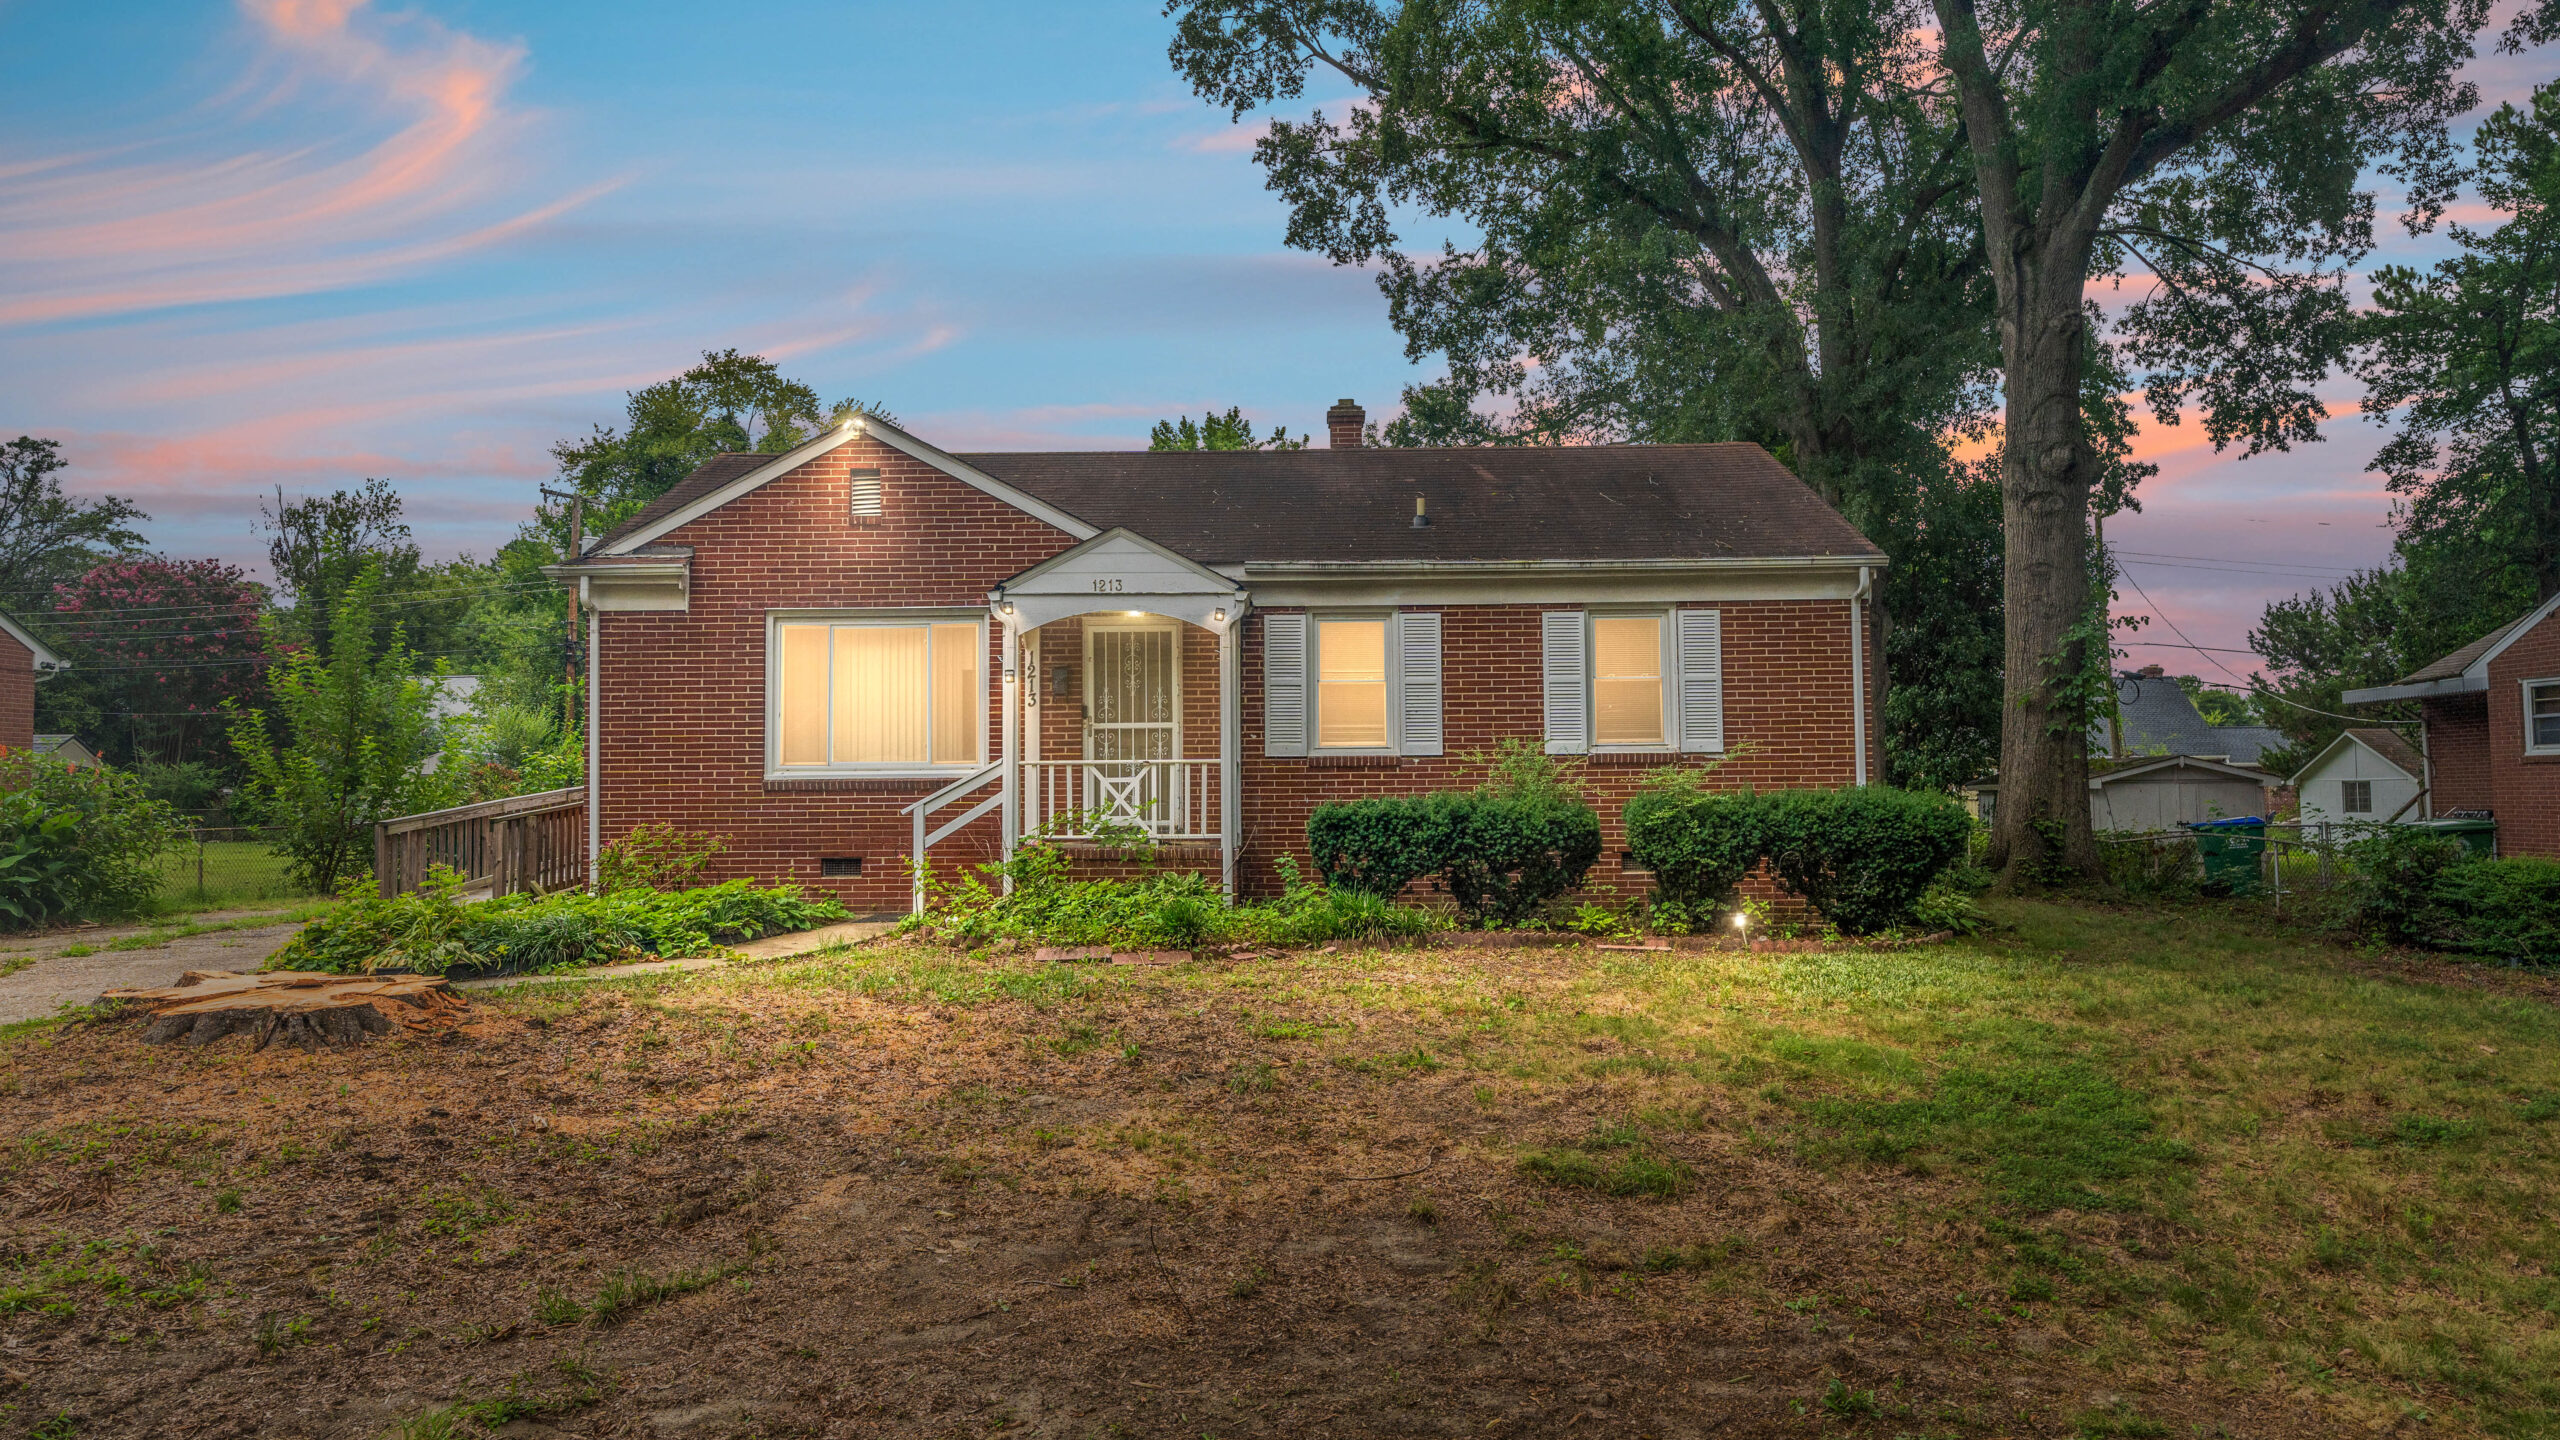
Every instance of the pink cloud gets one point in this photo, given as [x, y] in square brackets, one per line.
[161, 222]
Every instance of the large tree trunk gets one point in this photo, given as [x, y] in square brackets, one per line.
[2041, 824]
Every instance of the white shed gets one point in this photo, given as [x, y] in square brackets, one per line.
[2365, 776]
[2157, 792]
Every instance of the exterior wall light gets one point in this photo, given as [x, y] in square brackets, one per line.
[1005, 608]
[1218, 617]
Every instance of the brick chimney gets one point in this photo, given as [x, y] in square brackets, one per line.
[1342, 424]
[2153, 672]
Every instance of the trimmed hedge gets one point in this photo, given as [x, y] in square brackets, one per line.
[1864, 857]
[1501, 857]
[1698, 843]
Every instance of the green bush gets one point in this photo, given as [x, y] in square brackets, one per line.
[2506, 908]
[2392, 892]
[1379, 846]
[1699, 844]
[76, 843]
[1864, 856]
[658, 856]
[433, 931]
[1509, 857]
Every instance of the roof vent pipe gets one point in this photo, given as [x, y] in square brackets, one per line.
[1343, 424]
[1420, 516]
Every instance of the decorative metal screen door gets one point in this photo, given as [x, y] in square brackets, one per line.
[1132, 716]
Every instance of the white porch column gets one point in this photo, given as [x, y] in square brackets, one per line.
[1007, 647]
[1230, 735]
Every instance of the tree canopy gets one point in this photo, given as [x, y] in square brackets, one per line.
[46, 535]
[1230, 431]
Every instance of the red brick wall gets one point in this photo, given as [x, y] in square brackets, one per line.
[682, 700]
[2527, 787]
[17, 694]
[1787, 694]
[682, 695]
[2458, 753]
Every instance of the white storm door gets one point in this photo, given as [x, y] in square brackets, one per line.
[1133, 726]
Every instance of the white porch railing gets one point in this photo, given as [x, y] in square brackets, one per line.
[1168, 799]
[935, 801]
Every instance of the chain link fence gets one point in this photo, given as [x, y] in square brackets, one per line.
[220, 865]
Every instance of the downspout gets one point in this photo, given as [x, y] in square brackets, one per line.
[595, 747]
[1858, 667]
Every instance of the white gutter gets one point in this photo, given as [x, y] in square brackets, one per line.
[1254, 570]
[1858, 668]
[2465, 684]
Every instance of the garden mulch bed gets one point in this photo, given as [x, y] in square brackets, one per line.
[873, 1217]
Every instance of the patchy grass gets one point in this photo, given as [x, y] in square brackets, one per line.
[2101, 1172]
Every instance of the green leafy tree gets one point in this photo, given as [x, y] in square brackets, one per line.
[1230, 431]
[46, 535]
[2217, 145]
[2464, 360]
[729, 402]
[356, 732]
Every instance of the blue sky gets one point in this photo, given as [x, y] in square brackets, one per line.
[303, 242]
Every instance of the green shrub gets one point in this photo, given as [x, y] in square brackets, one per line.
[2509, 909]
[1509, 857]
[433, 931]
[1379, 846]
[1169, 908]
[1864, 856]
[657, 856]
[76, 842]
[2392, 892]
[1699, 844]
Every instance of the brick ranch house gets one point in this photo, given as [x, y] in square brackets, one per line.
[23, 662]
[827, 655]
[2492, 715]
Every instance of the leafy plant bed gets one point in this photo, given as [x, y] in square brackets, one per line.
[432, 931]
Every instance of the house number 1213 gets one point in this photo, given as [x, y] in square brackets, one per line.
[1108, 587]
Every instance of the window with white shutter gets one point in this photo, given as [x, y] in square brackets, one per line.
[1284, 684]
[1417, 644]
[1699, 647]
[1565, 647]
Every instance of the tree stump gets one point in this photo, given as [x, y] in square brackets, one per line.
[301, 1008]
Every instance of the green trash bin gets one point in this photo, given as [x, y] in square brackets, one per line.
[2480, 837]
[2234, 853]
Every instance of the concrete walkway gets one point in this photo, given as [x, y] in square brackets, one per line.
[772, 947]
[56, 979]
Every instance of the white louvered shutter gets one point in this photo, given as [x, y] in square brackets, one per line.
[1565, 641]
[1417, 635]
[1284, 684]
[1701, 658]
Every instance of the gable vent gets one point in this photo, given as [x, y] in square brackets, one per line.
[866, 492]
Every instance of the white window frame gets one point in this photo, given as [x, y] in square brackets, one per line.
[2346, 798]
[1666, 666]
[1386, 622]
[774, 620]
[2526, 691]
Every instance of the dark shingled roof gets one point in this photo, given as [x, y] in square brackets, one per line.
[2390, 746]
[2460, 660]
[1596, 502]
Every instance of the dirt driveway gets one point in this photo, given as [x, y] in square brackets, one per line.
[54, 979]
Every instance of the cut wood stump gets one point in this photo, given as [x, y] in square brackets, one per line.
[303, 1008]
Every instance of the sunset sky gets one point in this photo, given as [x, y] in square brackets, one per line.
[303, 242]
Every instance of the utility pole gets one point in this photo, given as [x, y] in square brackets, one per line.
[577, 546]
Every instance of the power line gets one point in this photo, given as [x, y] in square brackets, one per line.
[2230, 560]
[2253, 690]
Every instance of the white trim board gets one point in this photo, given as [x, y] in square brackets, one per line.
[860, 426]
[44, 658]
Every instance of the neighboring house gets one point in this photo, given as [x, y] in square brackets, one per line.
[2492, 713]
[822, 654]
[2365, 776]
[23, 662]
[2150, 793]
[67, 749]
[2155, 717]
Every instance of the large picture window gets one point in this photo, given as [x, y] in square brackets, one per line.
[1626, 680]
[878, 694]
[1351, 684]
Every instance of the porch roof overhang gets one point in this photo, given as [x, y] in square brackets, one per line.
[1116, 571]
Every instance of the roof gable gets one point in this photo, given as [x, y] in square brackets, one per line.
[727, 476]
[2384, 745]
[44, 659]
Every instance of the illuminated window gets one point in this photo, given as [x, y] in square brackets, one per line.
[1626, 680]
[878, 694]
[1351, 684]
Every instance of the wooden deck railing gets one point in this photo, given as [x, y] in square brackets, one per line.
[524, 842]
